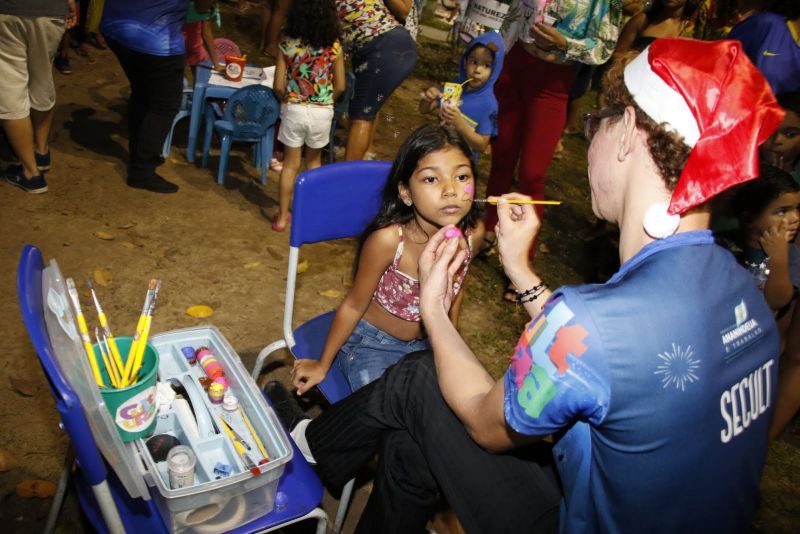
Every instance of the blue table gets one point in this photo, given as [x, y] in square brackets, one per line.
[203, 89]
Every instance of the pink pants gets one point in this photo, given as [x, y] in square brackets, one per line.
[532, 96]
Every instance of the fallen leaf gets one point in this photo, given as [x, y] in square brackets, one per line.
[302, 267]
[199, 311]
[21, 386]
[252, 265]
[274, 253]
[36, 488]
[102, 277]
[7, 461]
[331, 293]
[67, 243]
[128, 244]
[105, 236]
[126, 226]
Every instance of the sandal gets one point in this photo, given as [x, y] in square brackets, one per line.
[277, 227]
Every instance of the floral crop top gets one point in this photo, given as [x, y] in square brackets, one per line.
[398, 293]
[363, 20]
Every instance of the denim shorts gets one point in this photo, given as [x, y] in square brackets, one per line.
[369, 351]
[380, 66]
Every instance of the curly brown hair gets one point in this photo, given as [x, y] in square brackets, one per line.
[667, 148]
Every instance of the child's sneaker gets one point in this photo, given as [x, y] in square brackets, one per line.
[42, 161]
[62, 65]
[35, 184]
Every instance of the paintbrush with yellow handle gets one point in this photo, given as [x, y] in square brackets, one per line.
[495, 200]
[83, 330]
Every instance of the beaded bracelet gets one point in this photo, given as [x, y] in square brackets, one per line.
[521, 295]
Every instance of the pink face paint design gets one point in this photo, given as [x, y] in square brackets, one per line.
[469, 189]
[452, 233]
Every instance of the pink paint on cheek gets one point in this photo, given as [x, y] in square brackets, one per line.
[469, 189]
[452, 233]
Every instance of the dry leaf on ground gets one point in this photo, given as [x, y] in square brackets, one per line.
[102, 277]
[252, 264]
[21, 386]
[105, 236]
[302, 267]
[126, 226]
[7, 461]
[200, 311]
[331, 293]
[36, 488]
[274, 253]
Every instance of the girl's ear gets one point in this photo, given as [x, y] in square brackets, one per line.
[405, 194]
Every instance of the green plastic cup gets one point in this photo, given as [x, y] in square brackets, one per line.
[132, 408]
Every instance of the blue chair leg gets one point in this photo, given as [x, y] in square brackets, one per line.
[224, 152]
[267, 144]
[331, 144]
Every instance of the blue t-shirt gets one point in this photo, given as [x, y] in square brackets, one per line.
[770, 45]
[663, 381]
[146, 26]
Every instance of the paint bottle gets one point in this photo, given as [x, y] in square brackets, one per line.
[209, 363]
[230, 403]
[189, 354]
[216, 393]
[181, 462]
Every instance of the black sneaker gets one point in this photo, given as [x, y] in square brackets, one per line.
[35, 184]
[154, 183]
[42, 161]
[285, 405]
[62, 65]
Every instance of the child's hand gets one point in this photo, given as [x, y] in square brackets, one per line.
[306, 374]
[774, 243]
[219, 67]
[450, 113]
[432, 94]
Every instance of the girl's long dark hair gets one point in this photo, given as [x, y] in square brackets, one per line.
[422, 141]
[314, 22]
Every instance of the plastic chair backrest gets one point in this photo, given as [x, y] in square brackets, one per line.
[252, 110]
[29, 292]
[337, 200]
[226, 47]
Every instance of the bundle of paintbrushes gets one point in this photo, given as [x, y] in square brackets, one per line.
[121, 372]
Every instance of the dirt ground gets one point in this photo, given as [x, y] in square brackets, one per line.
[213, 245]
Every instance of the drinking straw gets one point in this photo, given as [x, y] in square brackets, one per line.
[139, 328]
[112, 344]
[253, 433]
[141, 343]
[106, 360]
[84, 332]
[495, 200]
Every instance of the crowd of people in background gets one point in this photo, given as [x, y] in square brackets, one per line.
[515, 96]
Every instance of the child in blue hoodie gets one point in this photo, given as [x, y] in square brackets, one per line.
[475, 116]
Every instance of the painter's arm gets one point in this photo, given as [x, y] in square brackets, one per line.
[399, 8]
[474, 396]
[339, 75]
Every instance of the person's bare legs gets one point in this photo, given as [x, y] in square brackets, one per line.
[20, 136]
[280, 8]
[42, 122]
[291, 166]
[358, 137]
[313, 158]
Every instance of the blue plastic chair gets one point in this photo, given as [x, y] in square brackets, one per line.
[339, 111]
[184, 111]
[249, 116]
[102, 497]
[330, 202]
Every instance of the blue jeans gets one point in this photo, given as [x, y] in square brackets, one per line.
[369, 351]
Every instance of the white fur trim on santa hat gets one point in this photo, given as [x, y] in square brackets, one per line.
[660, 101]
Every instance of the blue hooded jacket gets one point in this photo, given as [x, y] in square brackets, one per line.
[479, 106]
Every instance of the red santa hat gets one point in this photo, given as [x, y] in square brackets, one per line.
[712, 95]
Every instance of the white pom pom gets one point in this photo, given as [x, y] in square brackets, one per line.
[658, 223]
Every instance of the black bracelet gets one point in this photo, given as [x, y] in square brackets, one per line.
[528, 292]
[533, 297]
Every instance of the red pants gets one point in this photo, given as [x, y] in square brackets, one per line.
[532, 96]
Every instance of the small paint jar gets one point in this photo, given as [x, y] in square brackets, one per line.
[223, 381]
[181, 462]
[216, 393]
[189, 354]
[213, 370]
[230, 403]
